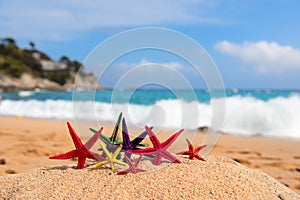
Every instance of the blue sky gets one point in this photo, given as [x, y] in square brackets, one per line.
[255, 43]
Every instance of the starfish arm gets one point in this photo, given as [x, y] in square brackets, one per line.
[112, 166]
[68, 155]
[133, 168]
[136, 164]
[191, 148]
[77, 142]
[157, 159]
[106, 151]
[102, 137]
[105, 139]
[143, 151]
[126, 171]
[117, 141]
[119, 162]
[90, 143]
[199, 158]
[99, 164]
[117, 151]
[187, 153]
[139, 139]
[116, 129]
[81, 162]
[170, 157]
[170, 140]
[128, 154]
[110, 148]
[183, 153]
[153, 138]
[126, 139]
[142, 145]
[93, 130]
[96, 156]
[128, 161]
[198, 149]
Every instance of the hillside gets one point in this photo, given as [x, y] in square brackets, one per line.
[29, 69]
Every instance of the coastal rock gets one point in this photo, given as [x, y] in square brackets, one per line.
[28, 82]
[86, 81]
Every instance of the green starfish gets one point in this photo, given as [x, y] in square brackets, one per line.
[111, 158]
[113, 139]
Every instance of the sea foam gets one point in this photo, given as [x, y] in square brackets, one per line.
[276, 117]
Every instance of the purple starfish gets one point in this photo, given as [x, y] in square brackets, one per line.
[81, 151]
[127, 143]
[159, 150]
[133, 167]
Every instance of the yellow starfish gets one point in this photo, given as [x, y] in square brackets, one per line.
[111, 158]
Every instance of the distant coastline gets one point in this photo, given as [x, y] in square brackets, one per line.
[31, 69]
[27, 82]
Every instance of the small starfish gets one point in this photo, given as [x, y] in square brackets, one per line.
[133, 167]
[159, 150]
[193, 152]
[113, 139]
[111, 158]
[81, 151]
[127, 143]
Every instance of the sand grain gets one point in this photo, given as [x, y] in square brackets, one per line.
[218, 178]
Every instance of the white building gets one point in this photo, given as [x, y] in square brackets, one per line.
[49, 65]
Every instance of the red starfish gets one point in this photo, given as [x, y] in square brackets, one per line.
[133, 167]
[81, 151]
[159, 149]
[193, 153]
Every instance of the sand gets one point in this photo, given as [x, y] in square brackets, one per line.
[218, 178]
[26, 144]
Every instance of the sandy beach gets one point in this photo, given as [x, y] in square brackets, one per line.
[27, 143]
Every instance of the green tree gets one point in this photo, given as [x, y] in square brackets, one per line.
[65, 60]
[9, 41]
[75, 66]
[32, 45]
[59, 77]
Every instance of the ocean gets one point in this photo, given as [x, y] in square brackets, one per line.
[271, 113]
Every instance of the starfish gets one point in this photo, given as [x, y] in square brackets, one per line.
[193, 152]
[127, 143]
[111, 158]
[133, 167]
[81, 151]
[113, 139]
[159, 150]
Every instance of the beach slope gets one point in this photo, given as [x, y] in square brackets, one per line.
[218, 178]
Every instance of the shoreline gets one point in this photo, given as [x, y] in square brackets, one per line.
[108, 124]
[28, 142]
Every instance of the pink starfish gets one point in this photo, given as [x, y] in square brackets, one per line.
[159, 150]
[81, 151]
[193, 153]
[133, 167]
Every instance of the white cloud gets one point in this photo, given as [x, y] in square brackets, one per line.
[265, 56]
[59, 20]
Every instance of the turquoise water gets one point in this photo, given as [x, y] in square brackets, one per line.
[247, 112]
[147, 97]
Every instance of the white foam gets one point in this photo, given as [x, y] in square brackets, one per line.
[278, 117]
[25, 93]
